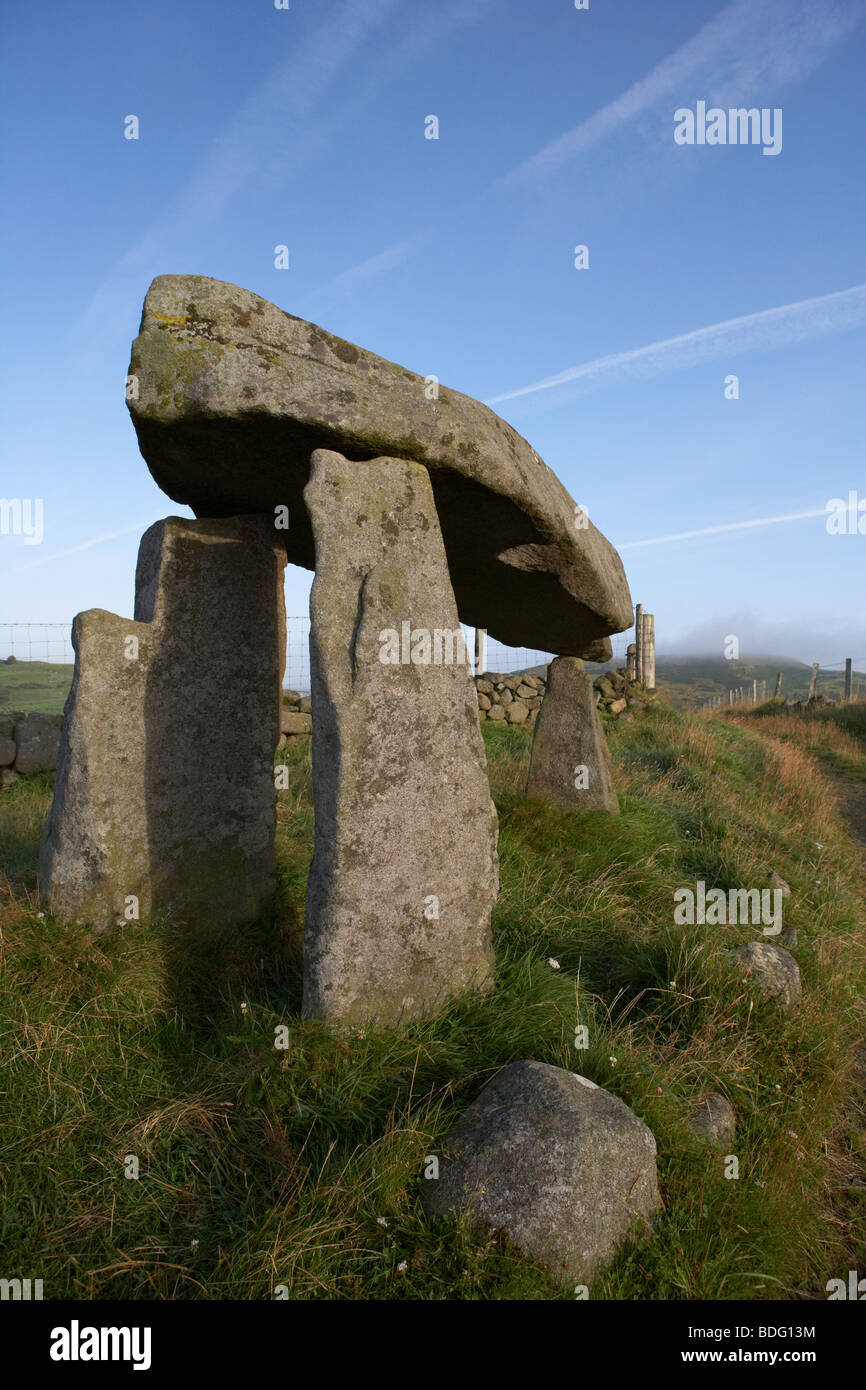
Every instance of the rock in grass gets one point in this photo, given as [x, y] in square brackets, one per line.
[713, 1120]
[562, 1166]
[772, 969]
[775, 882]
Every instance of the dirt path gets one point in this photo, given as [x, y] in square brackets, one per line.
[852, 803]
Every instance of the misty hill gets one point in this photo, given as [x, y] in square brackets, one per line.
[688, 681]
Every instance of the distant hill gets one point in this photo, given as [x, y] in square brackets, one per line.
[689, 681]
[34, 686]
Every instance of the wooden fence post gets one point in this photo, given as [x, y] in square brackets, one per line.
[813, 684]
[649, 651]
[480, 650]
[778, 694]
[638, 642]
[847, 695]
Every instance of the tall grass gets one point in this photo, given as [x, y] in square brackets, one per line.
[261, 1169]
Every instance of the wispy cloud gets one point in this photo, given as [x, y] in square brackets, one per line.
[769, 328]
[300, 100]
[248, 150]
[749, 46]
[372, 267]
[728, 526]
[138, 528]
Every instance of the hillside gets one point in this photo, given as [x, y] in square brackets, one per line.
[34, 686]
[688, 681]
[302, 1168]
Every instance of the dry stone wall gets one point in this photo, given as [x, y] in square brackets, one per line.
[517, 699]
[28, 744]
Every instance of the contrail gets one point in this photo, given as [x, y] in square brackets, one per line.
[771, 41]
[728, 526]
[769, 328]
[85, 545]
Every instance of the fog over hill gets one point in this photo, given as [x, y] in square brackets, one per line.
[689, 680]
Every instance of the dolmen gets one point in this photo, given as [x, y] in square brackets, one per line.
[418, 508]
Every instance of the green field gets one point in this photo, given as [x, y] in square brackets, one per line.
[302, 1168]
[34, 686]
[688, 682]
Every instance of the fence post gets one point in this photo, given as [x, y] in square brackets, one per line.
[778, 694]
[638, 641]
[631, 661]
[649, 651]
[754, 691]
[813, 684]
[847, 695]
[480, 650]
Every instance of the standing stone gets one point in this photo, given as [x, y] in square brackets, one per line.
[164, 788]
[405, 871]
[569, 737]
[561, 1165]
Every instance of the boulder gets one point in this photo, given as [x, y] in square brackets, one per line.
[8, 750]
[234, 395]
[295, 722]
[516, 712]
[164, 788]
[291, 697]
[776, 883]
[772, 969]
[568, 737]
[496, 713]
[560, 1165]
[714, 1121]
[37, 739]
[405, 871]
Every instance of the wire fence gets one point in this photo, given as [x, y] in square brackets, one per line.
[36, 642]
[499, 657]
[52, 642]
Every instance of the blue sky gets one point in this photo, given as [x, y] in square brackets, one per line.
[455, 257]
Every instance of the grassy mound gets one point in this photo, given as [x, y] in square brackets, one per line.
[263, 1169]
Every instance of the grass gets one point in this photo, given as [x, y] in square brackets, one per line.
[39, 687]
[836, 734]
[263, 1169]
